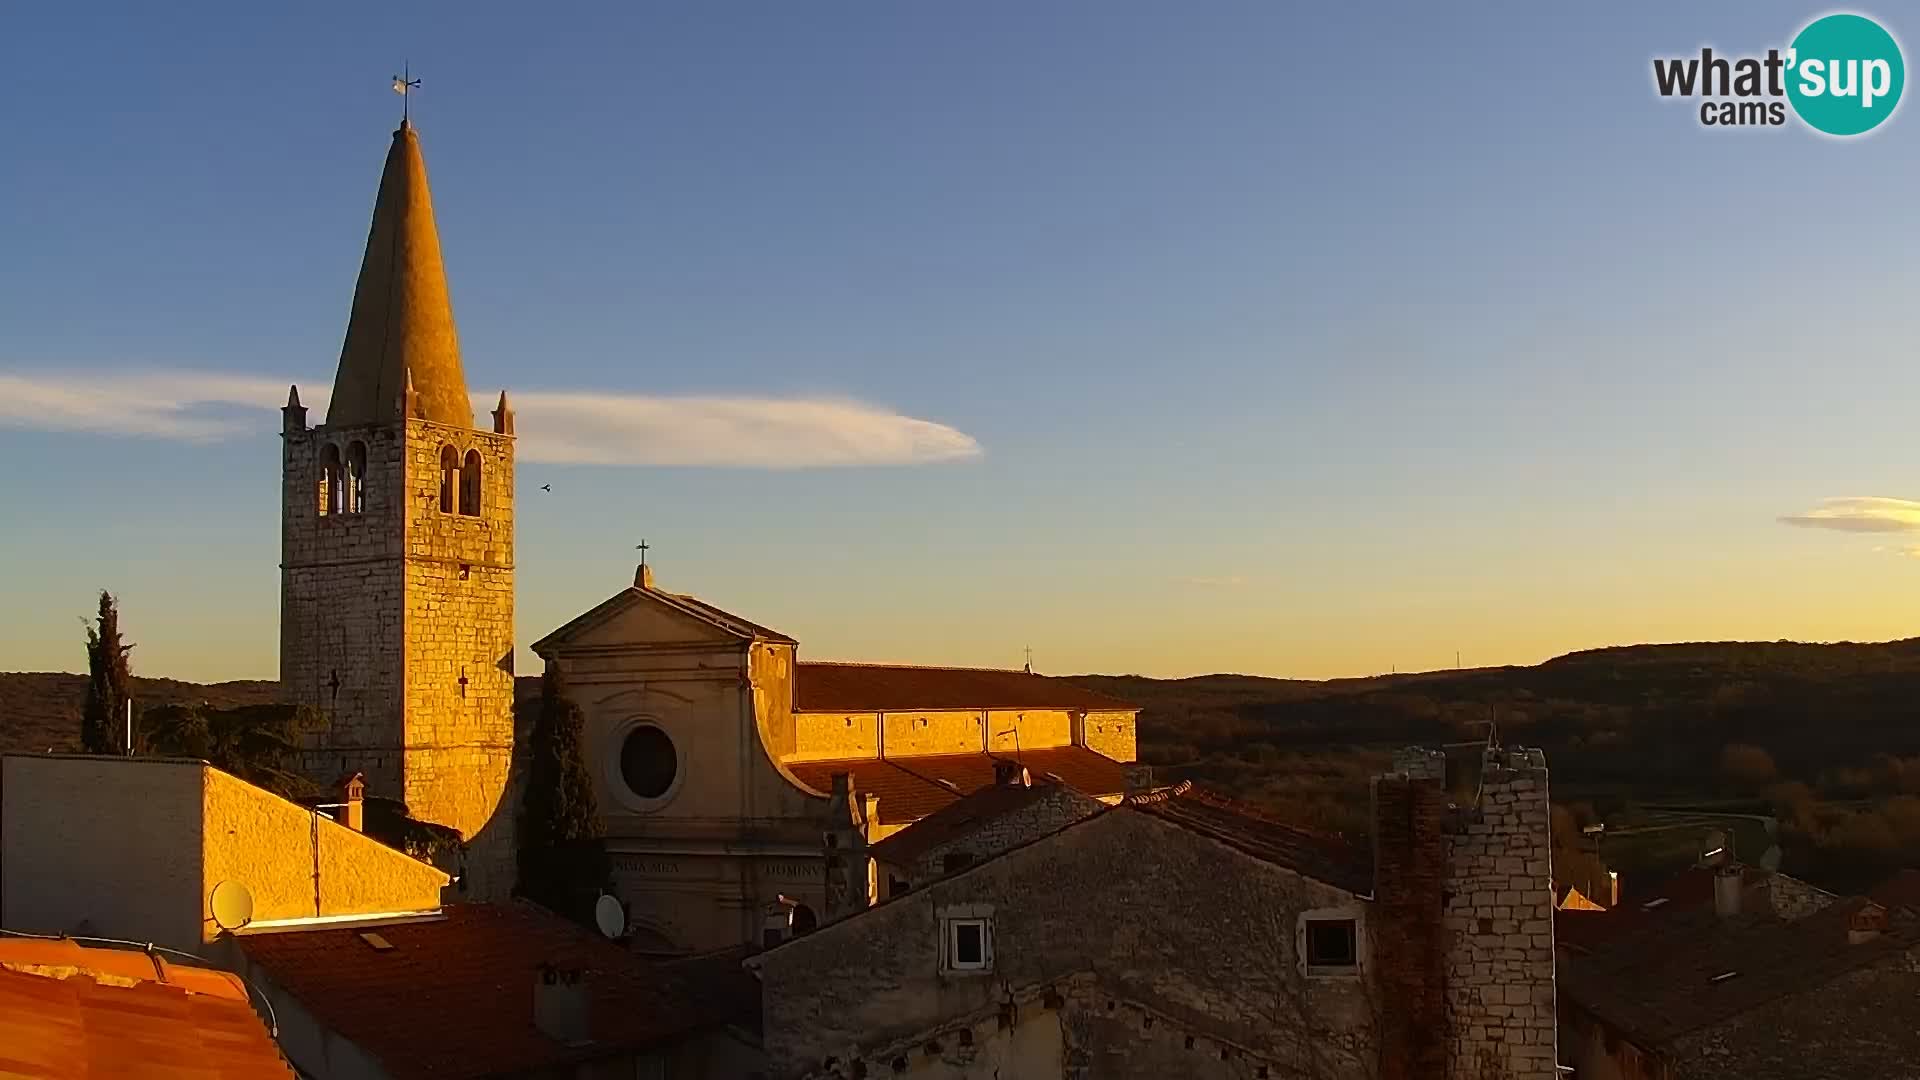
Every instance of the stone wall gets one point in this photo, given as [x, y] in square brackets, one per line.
[459, 651]
[1174, 923]
[341, 605]
[1057, 807]
[1109, 733]
[907, 733]
[1499, 926]
[397, 623]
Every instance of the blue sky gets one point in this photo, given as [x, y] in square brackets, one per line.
[1252, 337]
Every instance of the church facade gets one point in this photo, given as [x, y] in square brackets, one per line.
[740, 785]
[396, 603]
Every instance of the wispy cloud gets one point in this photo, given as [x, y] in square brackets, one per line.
[1861, 514]
[558, 427]
[1213, 582]
[1911, 551]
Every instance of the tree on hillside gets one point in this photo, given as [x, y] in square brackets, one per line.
[253, 742]
[1750, 767]
[109, 678]
[562, 863]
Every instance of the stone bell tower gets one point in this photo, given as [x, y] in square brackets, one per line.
[396, 572]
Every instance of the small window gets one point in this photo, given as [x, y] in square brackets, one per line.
[969, 947]
[470, 485]
[1332, 943]
[330, 486]
[449, 477]
[356, 477]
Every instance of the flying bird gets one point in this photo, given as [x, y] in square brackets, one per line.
[546, 487]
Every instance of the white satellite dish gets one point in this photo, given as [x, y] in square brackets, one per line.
[232, 905]
[610, 916]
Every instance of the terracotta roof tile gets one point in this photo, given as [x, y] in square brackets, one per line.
[453, 997]
[1902, 890]
[1694, 968]
[956, 819]
[1322, 856]
[824, 687]
[172, 1021]
[909, 788]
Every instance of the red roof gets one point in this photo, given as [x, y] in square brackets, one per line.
[956, 819]
[909, 788]
[822, 687]
[1322, 856]
[1902, 890]
[453, 997]
[1687, 891]
[172, 1021]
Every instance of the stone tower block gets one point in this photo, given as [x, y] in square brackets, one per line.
[396, 616]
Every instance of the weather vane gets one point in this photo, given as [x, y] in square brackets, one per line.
[404, 84]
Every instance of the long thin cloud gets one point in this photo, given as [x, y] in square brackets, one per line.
[557, 427]
[1867, 513]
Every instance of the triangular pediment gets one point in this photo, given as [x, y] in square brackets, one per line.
[643, 617]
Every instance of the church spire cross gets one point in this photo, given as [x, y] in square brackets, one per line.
[643, 577]
[404, 84]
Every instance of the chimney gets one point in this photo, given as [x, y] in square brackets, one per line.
[1136, 779]
[352, 789]
[561, 1005]
[1865, 925]
[1727, 882]
[1011, 774]
[1613, 889]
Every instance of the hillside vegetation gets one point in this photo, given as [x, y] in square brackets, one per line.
[1826, 738]
[1823, 738]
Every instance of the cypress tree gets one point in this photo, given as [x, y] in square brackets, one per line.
[109, 683]
[561, 861]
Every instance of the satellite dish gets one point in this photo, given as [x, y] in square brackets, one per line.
[232, 905]
[610, 916]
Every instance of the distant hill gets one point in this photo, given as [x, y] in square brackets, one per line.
[1823, 738]
[40, 710]
[1835, 727]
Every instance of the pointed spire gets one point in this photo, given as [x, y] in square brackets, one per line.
[503, 416]
[401, 342]
[293, 414]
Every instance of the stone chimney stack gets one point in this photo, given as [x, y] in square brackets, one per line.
[1727, 883]
[352, 790]
[562, 1007]
[849, 869]
[1136, 779]
[1011, 774]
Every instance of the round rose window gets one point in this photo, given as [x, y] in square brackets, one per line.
[648, 762]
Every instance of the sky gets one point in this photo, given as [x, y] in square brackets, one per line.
[1160, 338]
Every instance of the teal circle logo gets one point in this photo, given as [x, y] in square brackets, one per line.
[1845, 74]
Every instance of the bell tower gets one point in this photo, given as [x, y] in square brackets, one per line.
[396, 571]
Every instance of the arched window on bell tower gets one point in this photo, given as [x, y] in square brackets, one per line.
[356, 501]
[449, 477]
[470, 485]
[329, 484]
